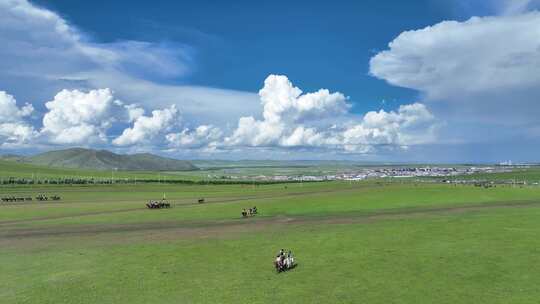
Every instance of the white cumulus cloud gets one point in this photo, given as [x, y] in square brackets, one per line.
[77, 117]
[292, 119]
[284, 109]
[145, 129]
[284, 102]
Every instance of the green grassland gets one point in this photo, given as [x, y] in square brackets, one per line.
[12, 169]
[22, 170]
[366, 242]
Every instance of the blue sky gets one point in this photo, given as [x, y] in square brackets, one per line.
[236, 46]
[390, 80]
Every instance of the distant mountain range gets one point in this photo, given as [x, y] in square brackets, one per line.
[80, 158]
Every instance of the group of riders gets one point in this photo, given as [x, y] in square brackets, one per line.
[158, 204]
[284, 261]
[249, 211]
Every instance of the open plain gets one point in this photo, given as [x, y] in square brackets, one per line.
[374, 241]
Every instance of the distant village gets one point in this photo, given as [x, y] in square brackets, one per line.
[379, 172]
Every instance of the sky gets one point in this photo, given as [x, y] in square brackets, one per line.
[401, 81]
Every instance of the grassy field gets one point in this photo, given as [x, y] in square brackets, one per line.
[12, 169]
[367, 242]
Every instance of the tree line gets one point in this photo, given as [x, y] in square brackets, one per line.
[99, 181]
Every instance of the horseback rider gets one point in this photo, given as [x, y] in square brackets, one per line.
[278, 261]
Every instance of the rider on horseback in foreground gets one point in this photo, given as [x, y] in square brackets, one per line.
[284, 262]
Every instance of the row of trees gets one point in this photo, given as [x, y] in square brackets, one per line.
[99, 181]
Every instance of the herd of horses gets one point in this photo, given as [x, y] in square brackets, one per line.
[158, 204]
[40, 197]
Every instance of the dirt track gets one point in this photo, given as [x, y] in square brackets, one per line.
[193, 200]
[220, 227]
[177, 203]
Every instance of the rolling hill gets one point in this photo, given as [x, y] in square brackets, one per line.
[80, 158]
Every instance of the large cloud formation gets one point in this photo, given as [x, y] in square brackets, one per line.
[284, 110]
[84, 81]
[284, 102]
[291, 120]
[482, 76]
[475, 56]
[321, 120]
[77, 117]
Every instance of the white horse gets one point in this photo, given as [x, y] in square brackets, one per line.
[289, 262]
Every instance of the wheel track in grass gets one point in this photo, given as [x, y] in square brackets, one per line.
[220, 227]
[187, 199]
[176, 203]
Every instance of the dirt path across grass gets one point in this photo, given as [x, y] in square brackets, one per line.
[193, 200]
[186, 229]
[177, 203]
